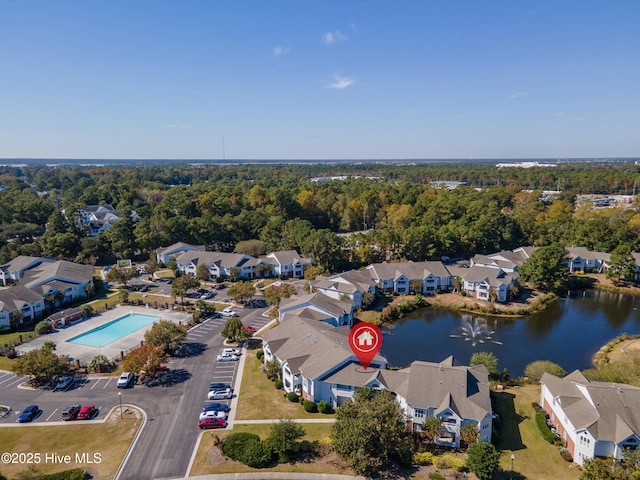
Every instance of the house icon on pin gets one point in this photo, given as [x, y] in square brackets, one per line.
[365, 339]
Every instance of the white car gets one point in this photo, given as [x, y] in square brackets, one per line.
[125, 380]
[232, 351]
[227, 357]
[206, 296]
[228, 312]
[220, 394]
[213, 414]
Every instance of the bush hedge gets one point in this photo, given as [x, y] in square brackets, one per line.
[278, 384]
[74, 474]
[423, 458]
[43, 327]
[309, 406]
[323, 407]
[293, 397]
[247, 448]
[260, 354]
[547, 434]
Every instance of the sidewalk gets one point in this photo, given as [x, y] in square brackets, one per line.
[277, 476]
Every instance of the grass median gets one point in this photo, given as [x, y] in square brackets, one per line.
[259, 400]
[209, 459]
[534, 457]
[97, 448]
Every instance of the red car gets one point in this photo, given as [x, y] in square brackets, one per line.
[250, 328]
[212, 422]
[87, 412]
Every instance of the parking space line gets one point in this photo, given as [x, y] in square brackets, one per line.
[95, 384]
[18, 380]
[108, 382]
[49, 417]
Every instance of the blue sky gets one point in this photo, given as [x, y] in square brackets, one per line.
[319, 80]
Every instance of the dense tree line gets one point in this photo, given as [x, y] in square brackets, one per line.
[279, 207]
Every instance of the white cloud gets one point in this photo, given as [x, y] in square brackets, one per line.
[330, 38]
[519, 94]
[340, 82]
[280, 50]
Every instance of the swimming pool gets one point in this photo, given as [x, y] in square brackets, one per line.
[112, 331]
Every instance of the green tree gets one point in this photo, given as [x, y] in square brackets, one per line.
[166, 335]
[369, 431]
[272, 370]
[622, 264]
[284, 437]
[202, 273]
[487, 359]
[178, 290]
[416, 285]
[546, 268]
[469, 433]
[263, 270]
[124, 296]
[255, 248]
[121, 275]
[273, 294]
[235, 331]
[241, 291]
[536, 369]
[483, 460]
[42, 364]
[187, 282]
[431, 428]
[15, 319]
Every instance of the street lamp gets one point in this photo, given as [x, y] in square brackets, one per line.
[513, 457]
[120, 398]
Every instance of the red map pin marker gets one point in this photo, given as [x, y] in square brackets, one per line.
[365, 340]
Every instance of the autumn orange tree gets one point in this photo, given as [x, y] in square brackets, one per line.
[145, 357]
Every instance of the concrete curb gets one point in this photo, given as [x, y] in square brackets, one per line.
[132, 444]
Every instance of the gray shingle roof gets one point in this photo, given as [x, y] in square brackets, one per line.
[609, 411]
[15, 297]
[60, 270]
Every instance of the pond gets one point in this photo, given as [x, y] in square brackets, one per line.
[569, 332]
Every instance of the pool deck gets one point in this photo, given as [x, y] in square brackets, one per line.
[85, 353]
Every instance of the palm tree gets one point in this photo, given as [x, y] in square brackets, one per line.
[89, 288]
[14, 319]
[59, 296]
[50, 300]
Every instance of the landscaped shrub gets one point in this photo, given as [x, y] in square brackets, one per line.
[547, 434]
[309, 406]
[436, 476]
[293, 397]
[247, 448]
[566, 455]
[43, 327]
[260, 354]
[423, 458]
[74, 474]
[278, 384]
[323, 407]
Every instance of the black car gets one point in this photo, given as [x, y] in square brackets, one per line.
[71, 412]
[219, 386]
[219, 407]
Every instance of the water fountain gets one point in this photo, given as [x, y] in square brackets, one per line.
[475, 331]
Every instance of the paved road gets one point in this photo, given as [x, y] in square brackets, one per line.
[166, 442]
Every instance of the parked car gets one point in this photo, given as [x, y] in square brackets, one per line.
[219, 386]
[212, 423]
[125, 380]
[71, 412]
[223, 407]
[213, 414]
[220, 394]
[227, 357]
[28, 414]
[206, 296]
[228, 312]
[232, 351]
[250, 328]
[63, 384]
[87, 412]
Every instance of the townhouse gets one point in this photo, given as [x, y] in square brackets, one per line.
[595, 419]
[398, 277]
[353, 285]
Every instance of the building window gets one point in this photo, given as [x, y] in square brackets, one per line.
[418, 413]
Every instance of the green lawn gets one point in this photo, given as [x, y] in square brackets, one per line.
[71, 439]
[259, 400]
[534, 458]
[210, 461]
